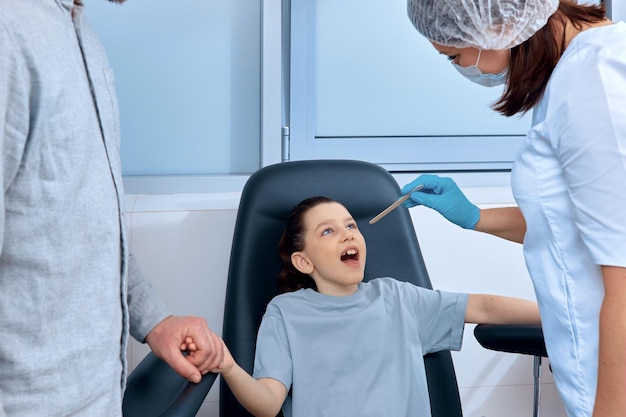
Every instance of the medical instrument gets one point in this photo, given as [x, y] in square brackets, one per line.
[395, 205]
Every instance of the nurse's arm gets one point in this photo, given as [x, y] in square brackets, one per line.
[505, 222]
[495, 309]
[610, 398]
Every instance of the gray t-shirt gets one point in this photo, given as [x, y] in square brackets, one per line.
[360, 355]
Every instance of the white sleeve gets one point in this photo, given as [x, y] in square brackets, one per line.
[588, 133]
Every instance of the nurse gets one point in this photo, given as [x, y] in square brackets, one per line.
[566, 63]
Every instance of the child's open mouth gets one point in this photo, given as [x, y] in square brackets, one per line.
[350, 255]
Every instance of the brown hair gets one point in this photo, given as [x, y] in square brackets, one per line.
[292, 240]
[533, 61]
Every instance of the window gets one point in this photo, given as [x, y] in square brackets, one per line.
[205, 86]
[188, 76]
[366, 85]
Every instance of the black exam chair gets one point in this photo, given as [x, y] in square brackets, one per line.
[268, 196]
[154, 389]
[526, 340]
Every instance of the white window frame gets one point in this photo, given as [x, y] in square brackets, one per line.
[395, 153]
[275, 116]
[270, 128]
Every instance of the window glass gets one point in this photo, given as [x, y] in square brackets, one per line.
[366, 85]
[188, 81]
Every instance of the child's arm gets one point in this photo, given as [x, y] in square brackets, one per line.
[494, 309]
[261, 397]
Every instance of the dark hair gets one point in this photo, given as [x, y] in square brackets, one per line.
[533, 61]
[292, 240]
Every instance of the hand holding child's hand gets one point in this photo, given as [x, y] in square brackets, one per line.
[175, 335]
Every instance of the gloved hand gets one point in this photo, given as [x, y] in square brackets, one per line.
[443, 195]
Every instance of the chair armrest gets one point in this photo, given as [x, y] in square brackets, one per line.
[524, 339]
[154, 389]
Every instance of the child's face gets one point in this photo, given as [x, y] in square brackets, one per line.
[334, 250]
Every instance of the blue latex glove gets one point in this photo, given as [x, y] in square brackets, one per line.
[443, 195]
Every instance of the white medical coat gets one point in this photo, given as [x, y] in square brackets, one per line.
[569, 179]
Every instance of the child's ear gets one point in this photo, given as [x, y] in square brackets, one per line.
[301, 262]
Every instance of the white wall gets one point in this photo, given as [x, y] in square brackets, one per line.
[182, 242]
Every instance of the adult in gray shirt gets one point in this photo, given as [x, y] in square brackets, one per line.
[70, 292]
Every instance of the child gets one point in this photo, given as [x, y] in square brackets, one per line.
[336, 346]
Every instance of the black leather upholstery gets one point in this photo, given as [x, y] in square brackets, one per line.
[365, 189]
[524, 339]
[154, 389]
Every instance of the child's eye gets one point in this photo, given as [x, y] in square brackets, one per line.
[351, 226]
[327, 231]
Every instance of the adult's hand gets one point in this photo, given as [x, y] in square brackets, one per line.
[175, 335]
[443, 195]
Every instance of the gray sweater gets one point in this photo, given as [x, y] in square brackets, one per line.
[70, 292]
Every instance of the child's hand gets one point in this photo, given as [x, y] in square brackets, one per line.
[227, 364]
[188, 345]
[193, 336]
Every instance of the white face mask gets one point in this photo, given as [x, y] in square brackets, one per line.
[474, 74]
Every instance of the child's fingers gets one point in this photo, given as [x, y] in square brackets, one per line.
[188, 345]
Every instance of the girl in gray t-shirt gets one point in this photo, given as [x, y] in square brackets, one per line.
[333, 345]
